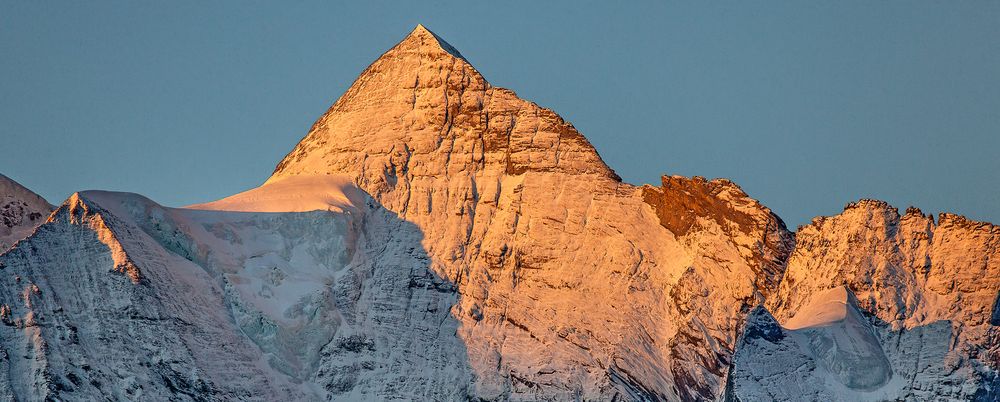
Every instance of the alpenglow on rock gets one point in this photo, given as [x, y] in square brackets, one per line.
[434, 237]
[927, 290]
[520, 213]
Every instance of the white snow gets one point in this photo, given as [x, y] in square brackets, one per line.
[438, 238]
[833, 330]
[826, 308]
[293, 194]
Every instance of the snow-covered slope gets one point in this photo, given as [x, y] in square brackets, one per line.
[827, 351]
[293, 194]
[434, 237]
[21, 211]
[928, 289]
[94, 308]
[117, 297]
[570, 283]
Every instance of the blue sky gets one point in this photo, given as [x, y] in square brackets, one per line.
[807, 105]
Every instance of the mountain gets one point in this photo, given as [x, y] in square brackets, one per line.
[922, 297]
[518, 211]
[21, 211]
[827, 351]
[434, 237]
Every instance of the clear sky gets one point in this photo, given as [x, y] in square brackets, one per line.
[807, 105]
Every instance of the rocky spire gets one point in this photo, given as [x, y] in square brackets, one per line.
[427, 38]
[421, 109]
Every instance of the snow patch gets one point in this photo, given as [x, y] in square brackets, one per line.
[833, 330]
[299, 193]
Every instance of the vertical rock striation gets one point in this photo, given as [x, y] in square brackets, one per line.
[928, 288]
[571, 283]
[434, 237]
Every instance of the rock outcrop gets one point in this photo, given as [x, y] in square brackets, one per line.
[21, 211]
[927, 287]
[522, 215]
[434, 237]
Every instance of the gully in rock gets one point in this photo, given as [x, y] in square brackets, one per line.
[435, 237]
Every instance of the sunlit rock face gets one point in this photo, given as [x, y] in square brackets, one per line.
[695, 206]
[21, 211]
[739, 248]
[570, 283]
[437, 238]
[907, 270]
[432, 237]
[928, 291]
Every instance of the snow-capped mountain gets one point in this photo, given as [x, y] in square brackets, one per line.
[518, 211]
[434, 237]
[21, 211]
[929, 292]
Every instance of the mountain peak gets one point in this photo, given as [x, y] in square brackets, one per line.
[425, 39]
[421, 110]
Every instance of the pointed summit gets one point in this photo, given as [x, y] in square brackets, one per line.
[424, 37]
[422, 46]
[421, 110]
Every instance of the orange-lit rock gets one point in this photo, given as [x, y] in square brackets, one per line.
[434, 237]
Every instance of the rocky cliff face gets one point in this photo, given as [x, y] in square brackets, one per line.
[929, 290]
[92, 308]
[907, 270]
[522, 215]
[739, 250]
[116, 297]
[21, 211]
[434, 237]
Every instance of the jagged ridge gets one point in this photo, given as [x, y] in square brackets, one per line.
[471, 245]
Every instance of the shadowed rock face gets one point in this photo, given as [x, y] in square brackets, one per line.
[437, 238]
[762, 325]
[928, 290]
[523, 216]
[21, 211]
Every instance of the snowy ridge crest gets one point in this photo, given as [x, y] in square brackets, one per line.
[434, 237]
[926, 289]
[78, 210]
